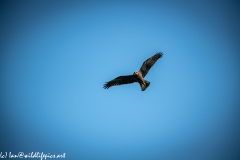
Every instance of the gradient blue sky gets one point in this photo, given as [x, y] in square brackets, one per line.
[56, 56]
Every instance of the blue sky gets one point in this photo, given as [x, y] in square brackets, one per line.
[56, 56]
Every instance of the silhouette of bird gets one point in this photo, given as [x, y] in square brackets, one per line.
[136, 76]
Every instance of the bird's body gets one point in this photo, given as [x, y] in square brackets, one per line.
[137, 76]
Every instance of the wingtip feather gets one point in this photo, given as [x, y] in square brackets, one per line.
[106, 86]
[159, 54]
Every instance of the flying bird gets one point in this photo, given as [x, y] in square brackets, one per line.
[137, 76]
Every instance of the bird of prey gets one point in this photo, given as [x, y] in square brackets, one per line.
[137, 76]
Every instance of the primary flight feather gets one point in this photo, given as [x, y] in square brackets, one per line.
[137, 76]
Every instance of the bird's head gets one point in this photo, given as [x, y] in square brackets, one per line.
[135, 73]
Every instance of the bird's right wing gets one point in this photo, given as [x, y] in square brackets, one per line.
[119, 81]
[149, 63]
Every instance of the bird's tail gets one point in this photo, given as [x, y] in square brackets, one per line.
[144, 85]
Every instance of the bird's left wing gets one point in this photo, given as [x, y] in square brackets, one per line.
[119, 81]
[149, 63]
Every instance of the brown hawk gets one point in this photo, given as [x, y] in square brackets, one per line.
[137, 76]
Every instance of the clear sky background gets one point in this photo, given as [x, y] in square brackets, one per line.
[56, 56]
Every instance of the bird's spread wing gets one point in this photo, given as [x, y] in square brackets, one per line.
[119, 81]
[149, 63]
